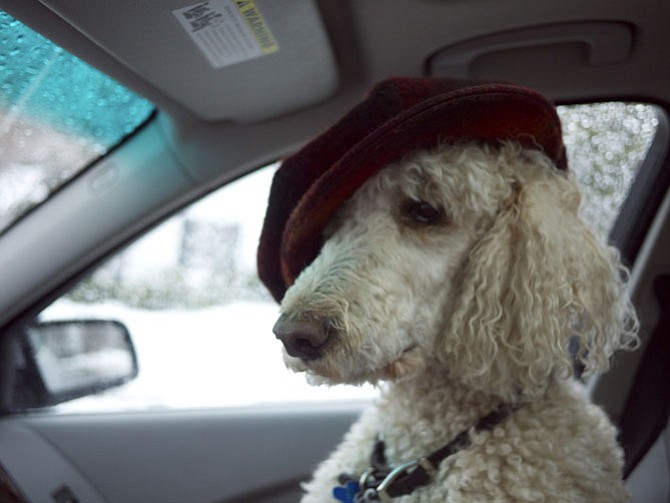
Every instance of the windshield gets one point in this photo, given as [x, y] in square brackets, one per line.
[57, 114]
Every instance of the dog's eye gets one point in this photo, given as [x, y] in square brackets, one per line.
[423, 212]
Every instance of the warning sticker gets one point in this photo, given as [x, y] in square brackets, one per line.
[227, 31]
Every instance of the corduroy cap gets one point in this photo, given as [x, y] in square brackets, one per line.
[398, 116]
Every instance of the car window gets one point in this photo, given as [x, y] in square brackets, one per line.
[57, 114]
[189, 294]
[606, 143]
[197, 313]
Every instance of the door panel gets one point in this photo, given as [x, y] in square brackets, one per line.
[251, 455]
[38, 469]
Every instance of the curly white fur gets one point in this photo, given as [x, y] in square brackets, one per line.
[467, 311]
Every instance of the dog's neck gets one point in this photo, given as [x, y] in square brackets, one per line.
[433, 407]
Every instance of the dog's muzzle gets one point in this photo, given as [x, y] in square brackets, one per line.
[302, 339]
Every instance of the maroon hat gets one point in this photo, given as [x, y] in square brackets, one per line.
[397, 117]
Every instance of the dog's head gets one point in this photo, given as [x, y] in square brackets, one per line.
[406, 251]
[472, 256]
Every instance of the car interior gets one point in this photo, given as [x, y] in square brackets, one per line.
[218, 115]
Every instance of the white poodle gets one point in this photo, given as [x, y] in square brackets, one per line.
[457, 277]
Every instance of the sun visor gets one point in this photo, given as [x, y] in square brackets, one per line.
[239, 60]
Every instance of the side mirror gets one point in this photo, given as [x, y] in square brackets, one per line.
[69, 359]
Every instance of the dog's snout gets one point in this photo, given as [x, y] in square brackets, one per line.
[302, 338]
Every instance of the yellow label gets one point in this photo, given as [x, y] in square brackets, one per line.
[257, 25]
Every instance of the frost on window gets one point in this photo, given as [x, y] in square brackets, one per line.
[606, 143]
[57, 114]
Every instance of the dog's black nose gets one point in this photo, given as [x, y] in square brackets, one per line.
[302, 338]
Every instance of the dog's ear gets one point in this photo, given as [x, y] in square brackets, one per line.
[535, 279]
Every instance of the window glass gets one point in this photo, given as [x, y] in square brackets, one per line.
[197, 314]
[606, 143]
[57, 114]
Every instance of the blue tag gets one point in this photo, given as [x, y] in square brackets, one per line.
[346, 493]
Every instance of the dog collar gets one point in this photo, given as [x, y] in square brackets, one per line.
[382, 483]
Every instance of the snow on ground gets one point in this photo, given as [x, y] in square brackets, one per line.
[217, 357]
